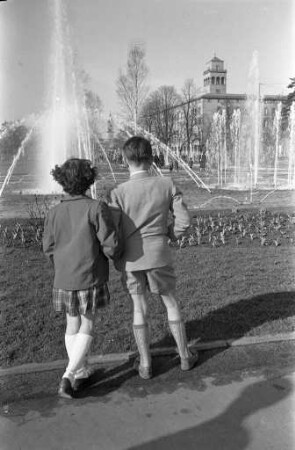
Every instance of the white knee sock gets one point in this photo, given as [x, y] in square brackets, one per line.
[70, 342]
[78, 354]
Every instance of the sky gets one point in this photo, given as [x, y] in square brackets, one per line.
[179, 37]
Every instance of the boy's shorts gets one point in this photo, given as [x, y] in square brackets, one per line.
[160, 280]
[81, 302]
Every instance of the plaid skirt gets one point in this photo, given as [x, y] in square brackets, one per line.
[81, 302]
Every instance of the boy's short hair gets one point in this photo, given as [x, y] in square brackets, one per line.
[75, 175]
[138, 150]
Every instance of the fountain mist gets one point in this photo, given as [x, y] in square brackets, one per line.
[251, 126]
[65, 127]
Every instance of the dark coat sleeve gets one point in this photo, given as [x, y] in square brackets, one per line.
[48, 237]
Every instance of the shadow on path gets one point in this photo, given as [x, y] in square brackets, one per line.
[101, 384]
[227, 431]
[238, 319]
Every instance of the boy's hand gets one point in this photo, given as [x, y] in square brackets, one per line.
[170, 233]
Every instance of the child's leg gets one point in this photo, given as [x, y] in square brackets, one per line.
[140, 309]
[175, 324]
[177, 329]
[81, 345]
[73, 325]
[140, 328]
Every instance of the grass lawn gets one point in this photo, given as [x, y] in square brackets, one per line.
[235, 278]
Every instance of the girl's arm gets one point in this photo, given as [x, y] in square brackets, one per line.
[48, 238]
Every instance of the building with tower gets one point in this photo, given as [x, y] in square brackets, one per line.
[213, 97]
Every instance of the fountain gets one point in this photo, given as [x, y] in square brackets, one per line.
[253, 118]
[234, 142]
[235, 127]
[65, 127]
[64, 130]
[244, 153]
[277, 128]
[217, 148]
[167, 151]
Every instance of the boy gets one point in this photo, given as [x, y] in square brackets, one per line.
[142, 205]
[79, 234]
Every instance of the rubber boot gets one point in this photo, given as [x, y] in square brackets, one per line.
[187, 359]
[141, 335]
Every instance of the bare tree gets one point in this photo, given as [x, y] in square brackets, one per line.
[131, 84]
[93, 102]
[93, 106]
[189, 92]
[160, 113]
[147, 117]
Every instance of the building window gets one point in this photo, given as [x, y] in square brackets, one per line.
[213, 80]
[217, 80]
[222, 80]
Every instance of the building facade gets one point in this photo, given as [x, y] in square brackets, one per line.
[213, 99]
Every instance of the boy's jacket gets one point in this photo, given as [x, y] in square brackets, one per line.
[79, 234]
[142, 205]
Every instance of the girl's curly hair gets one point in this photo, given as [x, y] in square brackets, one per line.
[75, 175]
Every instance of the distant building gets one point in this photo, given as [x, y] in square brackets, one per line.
[214, 98]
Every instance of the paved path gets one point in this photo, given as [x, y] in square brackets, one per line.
[235, 399]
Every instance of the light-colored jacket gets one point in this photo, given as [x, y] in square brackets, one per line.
[79, 234]
[143, 205]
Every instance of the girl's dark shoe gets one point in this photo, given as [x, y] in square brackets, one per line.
[65, 389]
[85, 381]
